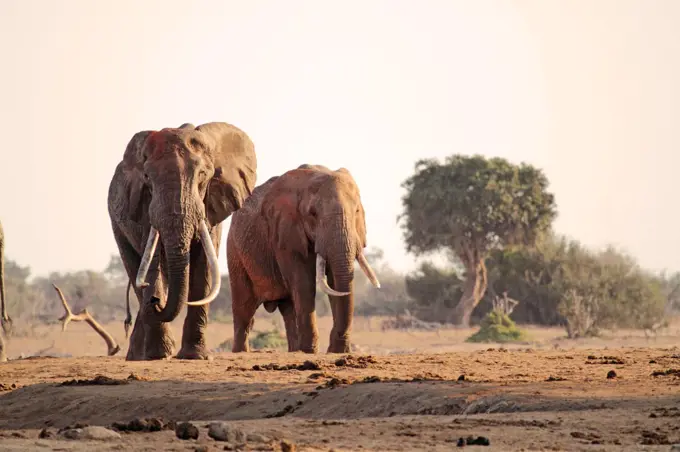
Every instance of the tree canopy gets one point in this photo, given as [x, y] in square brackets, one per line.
[470, 205]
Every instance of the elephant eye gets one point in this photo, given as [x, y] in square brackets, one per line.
[312, 211]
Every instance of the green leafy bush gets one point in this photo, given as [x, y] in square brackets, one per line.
[263, 339]
[497, 327]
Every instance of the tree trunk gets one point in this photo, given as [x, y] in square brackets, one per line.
[473, 291]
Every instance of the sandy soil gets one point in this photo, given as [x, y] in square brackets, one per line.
[399, 391]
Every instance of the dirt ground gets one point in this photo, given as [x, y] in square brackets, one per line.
[399, 391]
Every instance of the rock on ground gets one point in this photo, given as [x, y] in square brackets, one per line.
[222, 431]
[91, 432]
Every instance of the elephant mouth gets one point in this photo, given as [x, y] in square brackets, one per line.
[208, 247]
[323, 283]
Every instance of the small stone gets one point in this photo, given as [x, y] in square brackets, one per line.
[221, 431]
[92, 432]
[256, 438]
[461, 442]
[611, 374]
[138, 425]
[186, 430]
[154, 424]
[47, 433]
[287, 446]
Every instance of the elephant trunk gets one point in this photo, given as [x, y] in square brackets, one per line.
[177, 247]
[341, 254]
[337, 252]
[176, 238]
[178, 285]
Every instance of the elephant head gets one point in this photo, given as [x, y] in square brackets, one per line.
[181, 182]
[313, 209]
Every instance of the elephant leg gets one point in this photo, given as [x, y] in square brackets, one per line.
[193, 332]
[158, 340]
[3, 354]
[136, 347]
[303, 291]
[287, 310]
[149, 339]
[243, 303]
[342, 309]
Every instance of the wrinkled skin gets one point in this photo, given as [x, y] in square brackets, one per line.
[5, 319]
[272, 251]
[177, 184]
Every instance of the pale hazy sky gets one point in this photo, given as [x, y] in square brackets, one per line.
[587, 90]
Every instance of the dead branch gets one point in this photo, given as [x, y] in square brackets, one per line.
[84, 316]
[504, 305]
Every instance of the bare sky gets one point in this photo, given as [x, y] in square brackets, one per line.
[587, 90]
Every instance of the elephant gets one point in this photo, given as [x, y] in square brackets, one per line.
[298, 230]
[5, 319]
[166, 202]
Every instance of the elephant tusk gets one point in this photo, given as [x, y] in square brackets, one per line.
[149, 251]
[321, 278]
[368, 271]
[215, 276]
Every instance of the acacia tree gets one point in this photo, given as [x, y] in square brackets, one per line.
[470, 205]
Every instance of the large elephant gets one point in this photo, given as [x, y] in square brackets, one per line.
[167, 200]
[5, 319]
[291, 232]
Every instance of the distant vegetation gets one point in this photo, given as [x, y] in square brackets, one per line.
[492, 219]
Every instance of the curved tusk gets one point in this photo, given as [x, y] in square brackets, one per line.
[215, 276]
[149, 251]
[321, 278]
[368, 271]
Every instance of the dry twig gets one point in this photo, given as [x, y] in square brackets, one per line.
[84, 316]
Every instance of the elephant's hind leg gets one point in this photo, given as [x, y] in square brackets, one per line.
[243, 305]
[287, 310]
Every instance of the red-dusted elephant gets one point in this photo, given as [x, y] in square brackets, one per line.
[292, 232]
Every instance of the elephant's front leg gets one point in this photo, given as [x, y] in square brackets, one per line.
[158, 340]
[301, 276]
[193, 333]
[343, 311]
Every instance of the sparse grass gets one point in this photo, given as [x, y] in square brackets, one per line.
[498, 327]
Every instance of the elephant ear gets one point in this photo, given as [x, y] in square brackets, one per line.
[138, 195]
[233, 155]
[280, 207]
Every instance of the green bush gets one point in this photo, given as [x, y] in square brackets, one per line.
[262, 340]
[268, 339]
[497, 327]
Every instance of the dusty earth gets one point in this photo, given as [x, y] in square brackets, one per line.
[399, 391]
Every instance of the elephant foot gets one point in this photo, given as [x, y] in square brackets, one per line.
[339, 347]
[194, 353]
